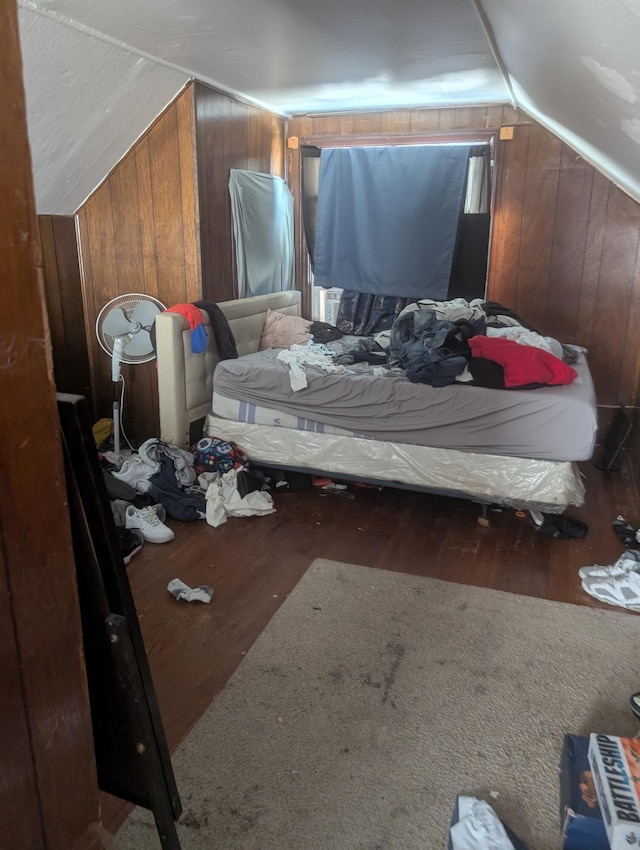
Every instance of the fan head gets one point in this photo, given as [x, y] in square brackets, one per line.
[130, 319]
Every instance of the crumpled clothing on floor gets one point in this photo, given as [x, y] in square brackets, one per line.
[224, 500]
[182, 503]
[180, 590]
[478, 827]
[138, 469]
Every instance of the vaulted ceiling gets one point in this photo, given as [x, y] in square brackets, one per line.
[96, 74]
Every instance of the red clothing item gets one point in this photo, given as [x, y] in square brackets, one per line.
[190, 312]
[523, 364]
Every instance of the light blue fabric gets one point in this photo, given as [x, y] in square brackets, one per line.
[388, 218]
[262, 208]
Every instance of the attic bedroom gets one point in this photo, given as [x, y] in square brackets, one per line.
[349, 647]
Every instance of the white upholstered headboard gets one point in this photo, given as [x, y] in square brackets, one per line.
[185, 380]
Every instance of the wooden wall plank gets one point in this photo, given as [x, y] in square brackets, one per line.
[600, 190]
[615, 294]
[630, 372]
[398, 123]
[506, 231]
[52, 291]
[367, 124]
[277, 139]
[19, 803]
[48, 787]
[469, 118]
[188, 185]
[127, 231]
[148, 248]
[568, 246]
[98, 246]
[493, 116]
[167, 208]
[538, 222]
[446, 119]
[329, 125]
[346, 126]
[510, 115]
[424, 120]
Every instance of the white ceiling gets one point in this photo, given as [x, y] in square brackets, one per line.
[94, 68]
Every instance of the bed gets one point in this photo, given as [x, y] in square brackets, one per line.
[516, 449]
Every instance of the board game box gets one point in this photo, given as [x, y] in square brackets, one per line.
[580, 815]
[615, 764]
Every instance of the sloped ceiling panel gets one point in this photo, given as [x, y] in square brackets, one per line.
[297, 56]
[574, 66]
[88, 101]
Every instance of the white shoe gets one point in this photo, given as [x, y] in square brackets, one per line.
[149, 524]
[626, 563]
[623, 591]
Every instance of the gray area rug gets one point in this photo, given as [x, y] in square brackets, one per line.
[373, 698]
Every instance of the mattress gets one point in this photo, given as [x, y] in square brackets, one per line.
[549, 423]
[513, 482]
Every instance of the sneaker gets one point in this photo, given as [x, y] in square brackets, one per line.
[623, 591]
[147, 521]
[130, 542]
[624, 531]
[626, 563]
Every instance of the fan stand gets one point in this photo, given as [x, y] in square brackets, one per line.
[116, 359]
[123, 330]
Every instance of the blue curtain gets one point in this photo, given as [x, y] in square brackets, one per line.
[387, 218]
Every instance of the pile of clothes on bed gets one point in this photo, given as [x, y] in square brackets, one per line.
[477, 342]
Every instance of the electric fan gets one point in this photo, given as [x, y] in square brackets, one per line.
[123, 329]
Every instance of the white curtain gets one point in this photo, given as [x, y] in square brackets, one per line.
[477, 195]
[262, 209]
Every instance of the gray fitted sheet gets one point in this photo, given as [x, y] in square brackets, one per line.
[549, 423]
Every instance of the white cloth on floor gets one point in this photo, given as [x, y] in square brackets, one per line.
[297, 357]
[137, 473]
[224, 500]
[181, 590]
[478, 827]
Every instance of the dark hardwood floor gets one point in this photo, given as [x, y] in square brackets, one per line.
[253, 563]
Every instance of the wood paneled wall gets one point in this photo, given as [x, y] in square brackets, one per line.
[139, 233]
[159, 224]
[565, 241]
[63, 293]
[564, 255]
[230, 134]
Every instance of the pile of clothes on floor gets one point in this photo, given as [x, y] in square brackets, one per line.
[212, 481]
